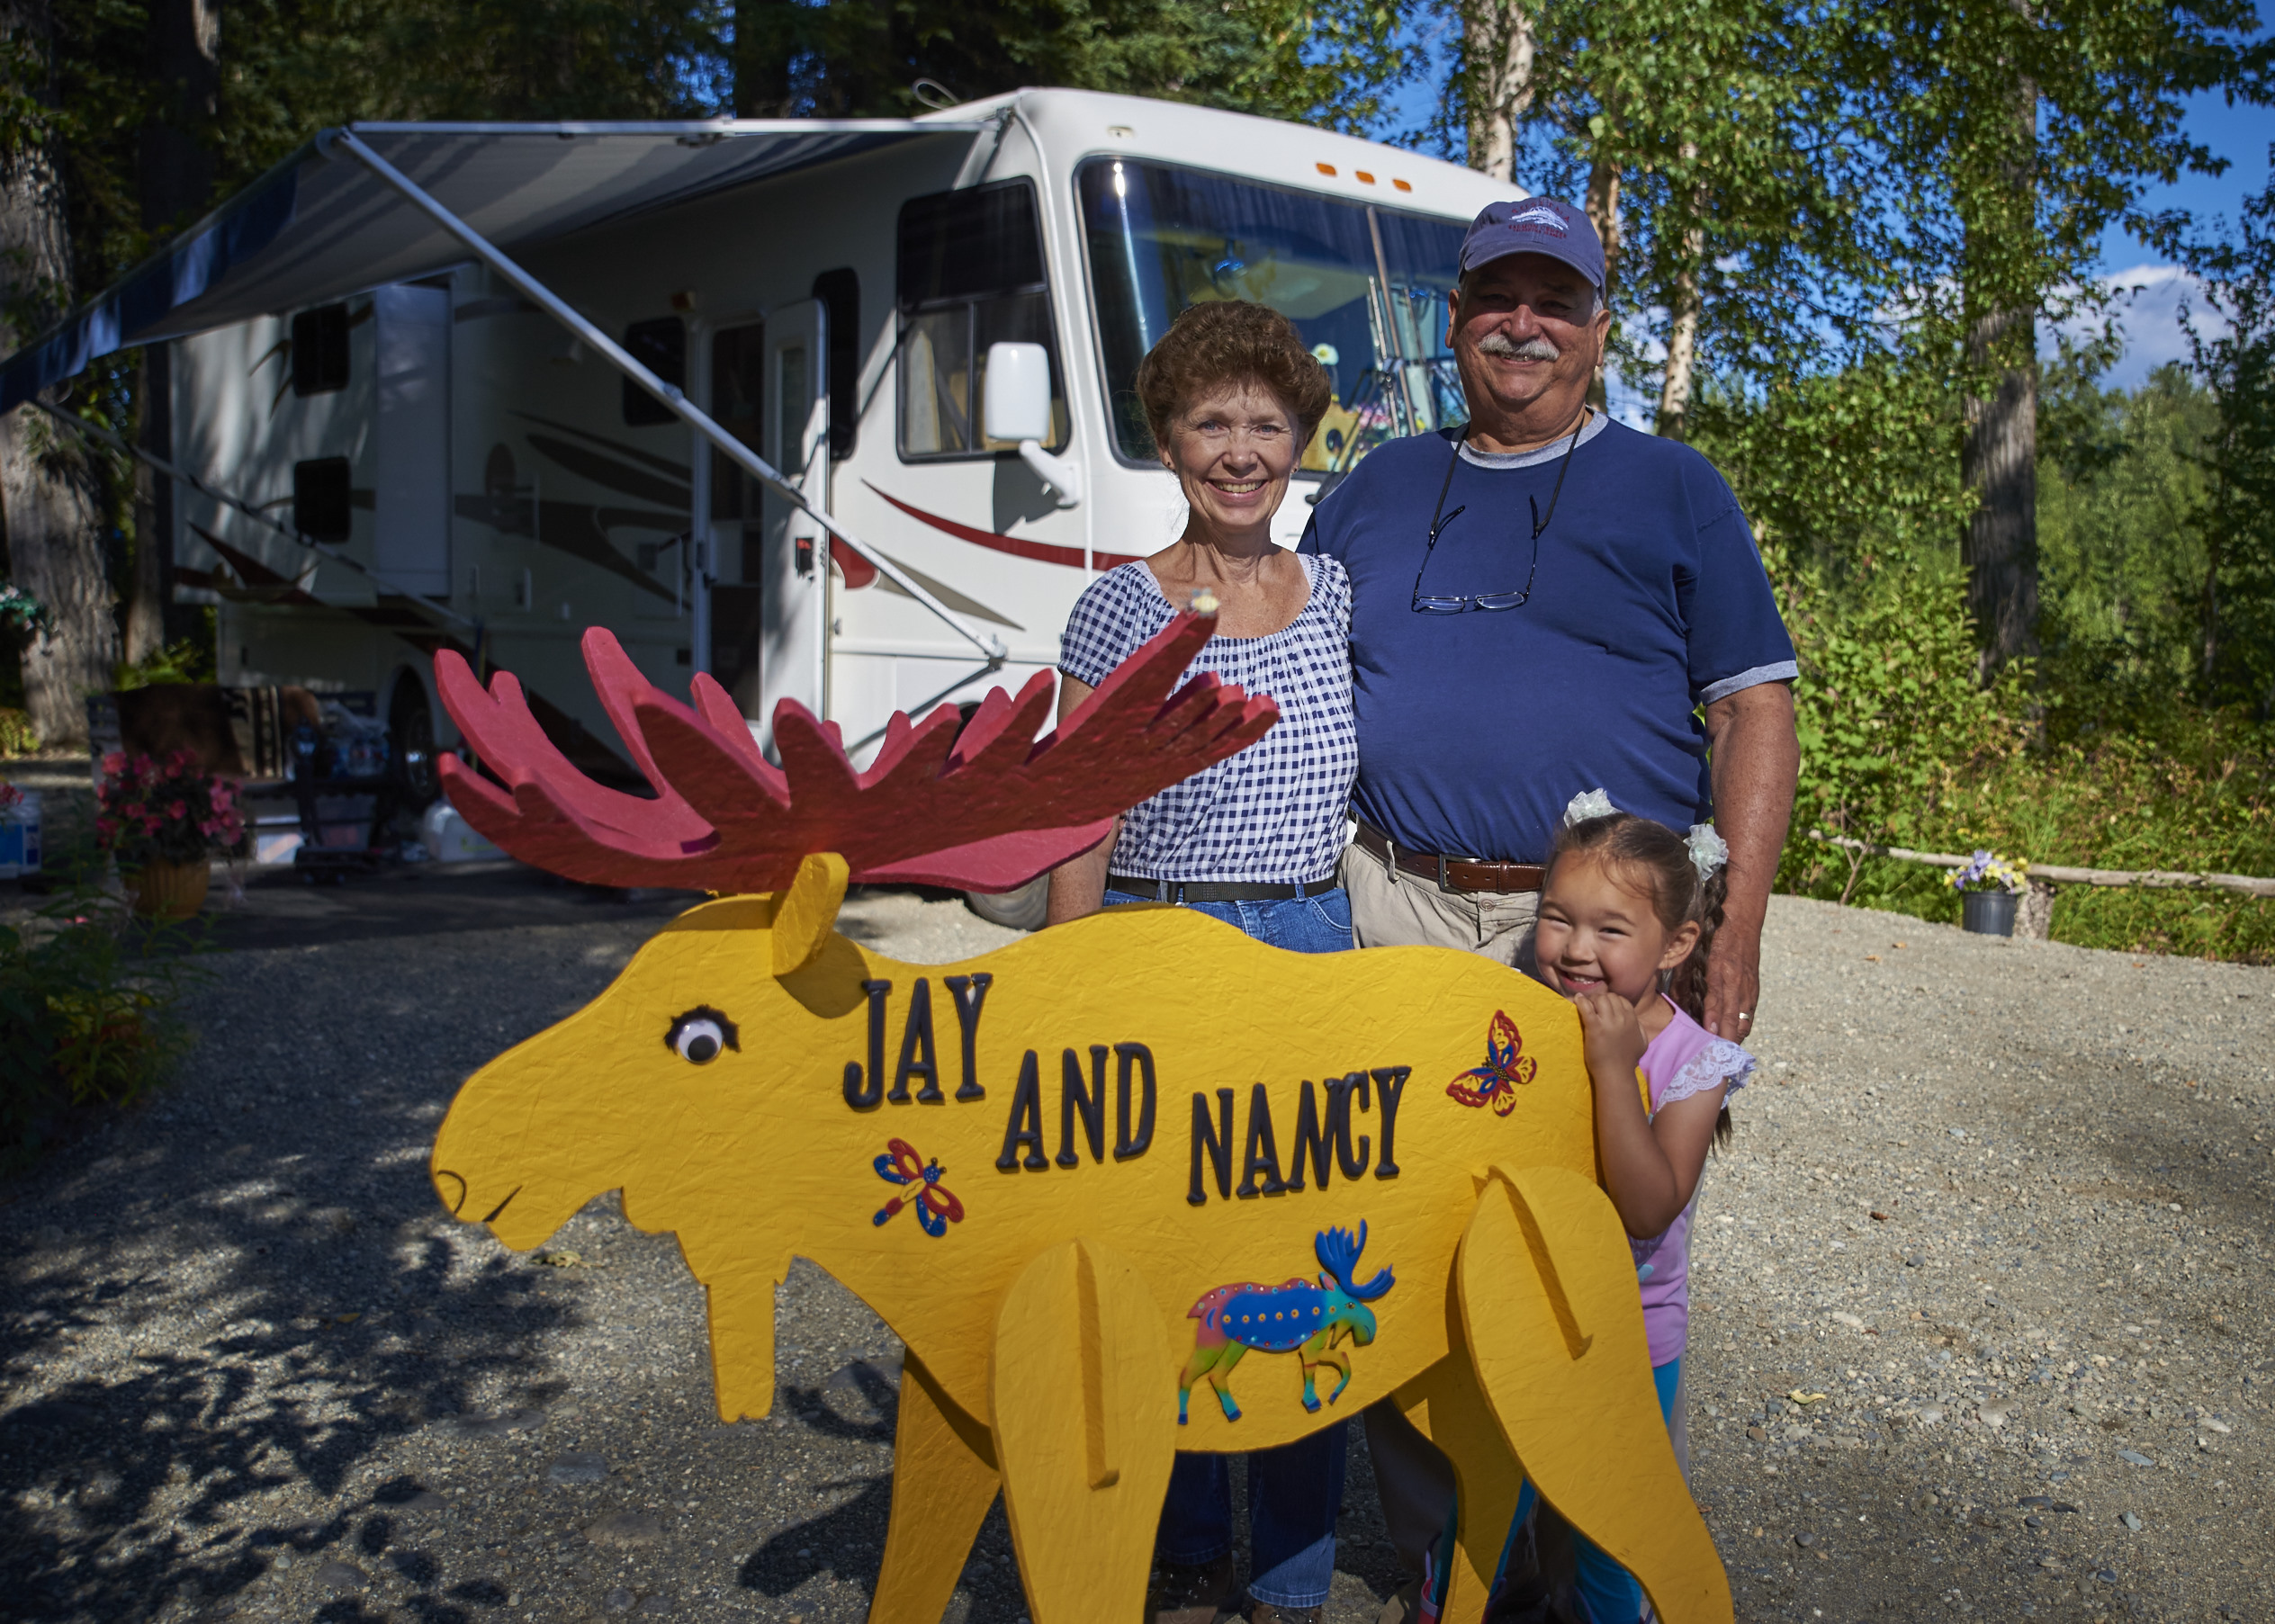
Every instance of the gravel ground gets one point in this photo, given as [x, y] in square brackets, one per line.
[1992, 1201]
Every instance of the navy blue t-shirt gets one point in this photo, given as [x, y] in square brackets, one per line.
[1476, 728]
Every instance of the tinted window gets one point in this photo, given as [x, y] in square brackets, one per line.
[323, 499]
[319, 350]
[961, 245]
[661, 346]
[840, 291]
[1162, 239]
[971, 275]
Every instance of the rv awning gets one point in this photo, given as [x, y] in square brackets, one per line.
[316, 228]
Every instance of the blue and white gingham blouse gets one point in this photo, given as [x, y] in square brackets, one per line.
[1274, 811]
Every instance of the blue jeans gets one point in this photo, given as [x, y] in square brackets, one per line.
[1295, 1492]
[1319, 923]
[1609, 1591]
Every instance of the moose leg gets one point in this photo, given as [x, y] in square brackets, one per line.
[1449, 1407]
[742, 1304]
[1220, 1378]
[944, 1480]
[1084, 1431]
[1546, 1286]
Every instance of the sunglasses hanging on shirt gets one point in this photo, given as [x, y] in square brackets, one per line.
[1467, 601]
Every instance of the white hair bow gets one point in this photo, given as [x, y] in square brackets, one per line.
[1589, 803]
[1708, 850]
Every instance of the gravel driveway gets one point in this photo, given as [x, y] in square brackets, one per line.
[1973, 1329]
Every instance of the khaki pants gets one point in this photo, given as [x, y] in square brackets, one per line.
[1393, 909]
[1390, 908]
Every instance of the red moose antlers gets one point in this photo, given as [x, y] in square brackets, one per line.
[987, 811]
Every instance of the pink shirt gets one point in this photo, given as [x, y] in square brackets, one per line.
[1685, 1059]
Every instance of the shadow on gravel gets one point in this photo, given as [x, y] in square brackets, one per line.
[847, 1543]
[95, 1523]
[245, 1287]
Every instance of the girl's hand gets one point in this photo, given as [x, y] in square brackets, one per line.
[1611, 1037]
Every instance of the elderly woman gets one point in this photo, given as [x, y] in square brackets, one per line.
[1232, 396]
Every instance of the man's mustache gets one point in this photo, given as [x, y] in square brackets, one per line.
[1502, 347]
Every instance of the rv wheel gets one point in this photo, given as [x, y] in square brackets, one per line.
[410, 741]
[1020, 910]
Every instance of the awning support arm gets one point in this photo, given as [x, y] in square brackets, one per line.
[332, 141]
[182, 476]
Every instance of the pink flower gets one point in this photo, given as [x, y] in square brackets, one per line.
[149, 826]
[133, 809]
[106, 826]
[114, 763]
[180, 809]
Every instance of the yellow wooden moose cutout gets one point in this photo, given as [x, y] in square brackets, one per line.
[1103, 1182]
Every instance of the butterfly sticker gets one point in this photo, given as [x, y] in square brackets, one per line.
[936, 1205]
[1506, 1067]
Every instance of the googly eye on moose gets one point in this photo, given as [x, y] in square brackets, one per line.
[700, 1035]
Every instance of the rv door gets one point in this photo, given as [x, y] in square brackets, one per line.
[795, 559]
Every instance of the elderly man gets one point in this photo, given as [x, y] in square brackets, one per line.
[1544, 601]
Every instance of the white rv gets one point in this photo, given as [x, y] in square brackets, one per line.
[838, 412]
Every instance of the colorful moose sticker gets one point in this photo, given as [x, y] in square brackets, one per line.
[1297, 1317]
[1506, 1067]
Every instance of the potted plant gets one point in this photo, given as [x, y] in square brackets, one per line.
[1988, 886]
[162, 821]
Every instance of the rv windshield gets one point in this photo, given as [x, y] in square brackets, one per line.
[1161, 239]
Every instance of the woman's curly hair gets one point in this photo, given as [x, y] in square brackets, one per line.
[1231, 342]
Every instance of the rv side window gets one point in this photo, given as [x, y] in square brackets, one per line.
[319, 350]
[840, 291]
[970, 275]
[661, 346]
[323, 499]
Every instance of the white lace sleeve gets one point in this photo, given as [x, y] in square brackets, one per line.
[1718, 1063]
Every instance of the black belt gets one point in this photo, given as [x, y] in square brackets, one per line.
[1454, 874]
[1217, 890]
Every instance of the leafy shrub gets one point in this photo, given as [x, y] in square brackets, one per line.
[87, 1015]
[17, 736]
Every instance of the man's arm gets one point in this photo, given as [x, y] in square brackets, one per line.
[1755, 758]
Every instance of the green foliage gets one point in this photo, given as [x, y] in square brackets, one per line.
[17, 735]
[2121, 557]
[2236, 523]
[185, 660]
[1327, 63]
[2199, 799]
[89, 1002]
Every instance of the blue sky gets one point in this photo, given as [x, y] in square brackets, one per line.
[2154, 287]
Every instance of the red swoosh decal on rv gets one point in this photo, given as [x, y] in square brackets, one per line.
[1040, 552]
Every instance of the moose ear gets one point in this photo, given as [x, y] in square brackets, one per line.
[803, 913]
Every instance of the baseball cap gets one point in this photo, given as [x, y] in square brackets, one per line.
[1535, 225]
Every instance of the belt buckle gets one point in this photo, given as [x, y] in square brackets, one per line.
[1444, 870]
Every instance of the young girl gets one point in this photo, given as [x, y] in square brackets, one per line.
[1628, 912]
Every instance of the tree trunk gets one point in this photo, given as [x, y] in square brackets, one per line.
[47, 509]
[174, 164]
[1999, 455]
[1497, 42]
[1681, 327]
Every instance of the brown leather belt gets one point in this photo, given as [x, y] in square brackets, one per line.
[1454, 874]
